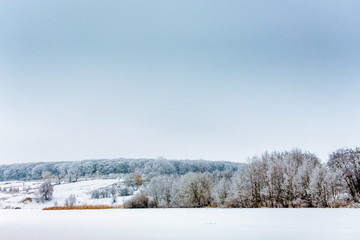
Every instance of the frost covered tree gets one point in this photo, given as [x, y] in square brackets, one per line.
[318, 187]
[133, 180]
[274, 179]
[241, 188]
[221, 191]
[74, 172]
[45, 191]
[277, 179]
[154, 190]
[326, 187]
[195, 190]
[298, 168]
[160, 191]
[302, 183]
[62, 171]
[336, 187]
[348, 162]
[248, 184]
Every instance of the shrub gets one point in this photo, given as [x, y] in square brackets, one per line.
[95, 194]
[71, 200]
[140, 200]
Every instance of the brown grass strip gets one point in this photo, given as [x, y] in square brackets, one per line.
[83, 207]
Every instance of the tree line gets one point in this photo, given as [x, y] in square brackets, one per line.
[278, 179]
[72, 171]
[275, 179]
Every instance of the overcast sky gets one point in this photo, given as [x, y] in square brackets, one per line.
[218, 80]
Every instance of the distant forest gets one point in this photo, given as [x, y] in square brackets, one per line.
[71, 171]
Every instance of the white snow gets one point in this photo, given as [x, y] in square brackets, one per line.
[264, 224]
[81, 190]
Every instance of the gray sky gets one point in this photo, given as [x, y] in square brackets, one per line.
[218, 80]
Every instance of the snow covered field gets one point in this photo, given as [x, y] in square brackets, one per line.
[265, 224]
[81, 189]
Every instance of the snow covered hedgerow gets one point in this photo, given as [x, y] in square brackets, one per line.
[45, 191]
[140, 200]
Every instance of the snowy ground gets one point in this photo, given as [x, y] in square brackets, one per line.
[225, 224]
[81, 189]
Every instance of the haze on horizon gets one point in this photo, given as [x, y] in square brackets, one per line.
[217, 80]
